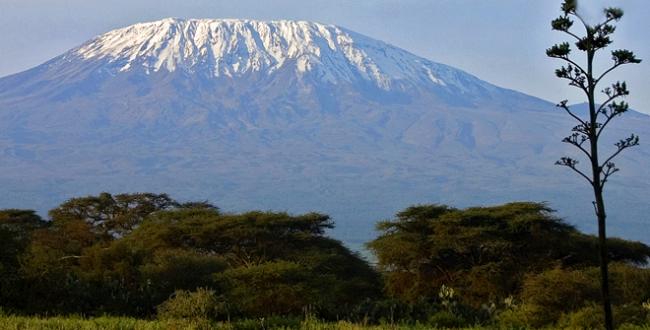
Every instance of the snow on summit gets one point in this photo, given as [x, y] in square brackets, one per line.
[232, 47]
[286, 115]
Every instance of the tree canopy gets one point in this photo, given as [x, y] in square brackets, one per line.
[80, 263]
[435, 264]
[485, 252]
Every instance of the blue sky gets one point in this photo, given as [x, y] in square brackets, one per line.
[501, 41]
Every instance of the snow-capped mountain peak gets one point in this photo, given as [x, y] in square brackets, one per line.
[288, 115]
[233, 47]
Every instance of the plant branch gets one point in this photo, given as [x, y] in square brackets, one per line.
[629, 142]
[578, 139]
[571, 163]
[563, 105]
[609, 169]
[606, 72]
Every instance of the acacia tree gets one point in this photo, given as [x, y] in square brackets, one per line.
[585, 135]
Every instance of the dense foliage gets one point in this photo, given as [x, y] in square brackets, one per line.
[515, 265]
[127, 254]
[485, 252]
[146, 255]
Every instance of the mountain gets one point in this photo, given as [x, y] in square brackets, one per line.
[296, 116]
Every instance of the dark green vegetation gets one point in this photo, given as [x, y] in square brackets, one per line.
[586, 134]
[514, 264]
[146, 255]
[127, 254]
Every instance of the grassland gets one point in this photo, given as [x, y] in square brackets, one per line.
[125, 323]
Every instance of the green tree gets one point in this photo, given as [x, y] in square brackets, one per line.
[483, 252]
[268, 254]
[16, 228]
[67, 261]
[117, 215]
[585, 135]
[252, 259]
[132, 278]
[545, 297]
[49, 265]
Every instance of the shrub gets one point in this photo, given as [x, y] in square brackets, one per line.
[270, 288]
[631, 314]
[391, 310]
[591, 317]
[199, 304]
[567, 295]
[522, 317]
[446, 319]
[630, 285]
[559, 291]
[272, 322]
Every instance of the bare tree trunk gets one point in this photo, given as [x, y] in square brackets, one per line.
[604, 272]
[598, 195]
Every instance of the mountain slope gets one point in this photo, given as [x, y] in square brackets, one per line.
[289, 115]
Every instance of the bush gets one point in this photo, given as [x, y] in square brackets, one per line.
[630, 285]
[390, 310]
[200, 304]
[631, 314]
[589, 317]
[273, 322]
[559, 291]
[271, 288]
[445, 319]
[569, 296]
[522, 317]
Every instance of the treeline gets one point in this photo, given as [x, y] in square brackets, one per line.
[147, 255]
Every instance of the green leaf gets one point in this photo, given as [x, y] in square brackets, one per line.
[559, 50]
[613, 13]
[624, 56]
[562, 23]
[569, 6]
